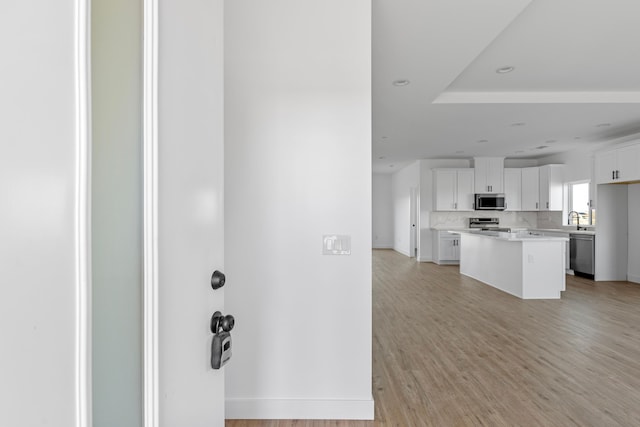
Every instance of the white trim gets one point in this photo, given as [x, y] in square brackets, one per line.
[383, 246]
[538, 98]
[296, 409]
[82, 65]
[633, 278]
[400, 251]
[150, 221]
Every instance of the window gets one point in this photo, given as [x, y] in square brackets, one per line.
[580, 204]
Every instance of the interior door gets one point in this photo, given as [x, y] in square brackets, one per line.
[413, 220]
[184, 175]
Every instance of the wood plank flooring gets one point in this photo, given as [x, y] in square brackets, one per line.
[451, 351]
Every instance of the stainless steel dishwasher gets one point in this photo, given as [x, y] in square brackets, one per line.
[582, 254]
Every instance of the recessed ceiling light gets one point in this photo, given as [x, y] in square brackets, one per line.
[401, 82]
[603, 125]
[390, 166]
[505, 70]
[551, 141]
[381, 157]
[482, 141]
[541, 147]
[518, 124]
[577, 137]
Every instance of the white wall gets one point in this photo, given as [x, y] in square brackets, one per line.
[117, 212]
[633, 272]
[382, 211]
[402, 182]
[612, 248]
[37, 196]
[297, 167]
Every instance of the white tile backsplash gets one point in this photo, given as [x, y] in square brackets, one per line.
[442, 220]
[550, 219]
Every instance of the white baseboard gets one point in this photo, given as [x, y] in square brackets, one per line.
[298, 409]
[634, 279]
[405, 253]
[425, 259]
[382, 246]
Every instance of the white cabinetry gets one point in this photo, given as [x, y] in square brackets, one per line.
[551, 187]
[489, 174]
[453, 189]
[447, 248]
[618, 165]
[566, 246]
[530, 189]
[513, 188]
[542, 188]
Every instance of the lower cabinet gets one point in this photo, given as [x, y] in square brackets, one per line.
[566, 247]
[447, 248]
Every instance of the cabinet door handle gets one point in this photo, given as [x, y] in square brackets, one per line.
[455, 205]
[617, 174]
[613, 174]
[547, 205]
[536, 205]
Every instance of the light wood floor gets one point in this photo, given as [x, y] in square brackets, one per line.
[451, 351]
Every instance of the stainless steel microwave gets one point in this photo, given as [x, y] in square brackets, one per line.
[490, 202]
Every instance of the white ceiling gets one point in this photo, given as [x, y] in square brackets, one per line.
[575, 83]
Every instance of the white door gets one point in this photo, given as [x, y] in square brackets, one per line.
[184, 240]
[413, 220]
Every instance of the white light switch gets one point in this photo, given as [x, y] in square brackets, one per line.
[335, 244]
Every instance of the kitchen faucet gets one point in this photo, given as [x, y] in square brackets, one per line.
[577, 218]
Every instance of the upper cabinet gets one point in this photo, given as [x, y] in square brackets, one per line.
[453, 189]
[551, 187]
[618, 165]
[542, 188]
[531, 189]
[489, 174]
[513, 188]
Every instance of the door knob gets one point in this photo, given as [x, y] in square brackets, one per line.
[217, 279]
[221, 343]
[219, 321]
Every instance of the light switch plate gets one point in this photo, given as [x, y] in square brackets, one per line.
[336, 244]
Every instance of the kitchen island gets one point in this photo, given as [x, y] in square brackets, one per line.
[529, 267]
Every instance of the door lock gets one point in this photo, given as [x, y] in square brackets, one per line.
[221, 344]
[217, 279]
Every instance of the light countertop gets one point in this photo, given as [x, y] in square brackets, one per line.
[568, 230]
[510, 236]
